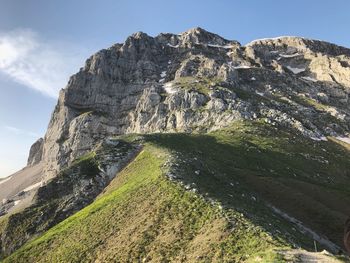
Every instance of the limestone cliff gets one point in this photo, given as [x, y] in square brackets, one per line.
[199, 81]
[35, 152]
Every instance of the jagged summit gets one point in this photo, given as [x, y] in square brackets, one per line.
[192, 37]
[196, 30]
[302, 43]
[276, 39]
[158, 83]
[199, 35]
[35, 152]
[139, 35]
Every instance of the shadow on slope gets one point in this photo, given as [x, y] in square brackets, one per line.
[142, 216]
[250, 165]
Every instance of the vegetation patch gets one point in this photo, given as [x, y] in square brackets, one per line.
[308, 102]
[71, 190]
[200, 84]
[207, 198]
[142, 216]
[253, 164]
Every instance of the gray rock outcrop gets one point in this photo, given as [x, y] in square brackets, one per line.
[199, 81]
[35, 152]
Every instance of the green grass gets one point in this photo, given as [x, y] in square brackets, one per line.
[71, 190]
[308, 102]
[88, 164]
[16, 228]
[235, 172]
[144, 216]
[201, 85]
[307, 179]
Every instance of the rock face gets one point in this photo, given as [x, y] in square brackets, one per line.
[198, 81]
[35, 153]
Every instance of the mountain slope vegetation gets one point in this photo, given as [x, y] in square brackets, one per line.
[190, 147]
[207, 198]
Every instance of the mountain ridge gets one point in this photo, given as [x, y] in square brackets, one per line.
[187, 40]
[193, 83]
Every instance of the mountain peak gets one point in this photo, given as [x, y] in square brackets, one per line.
[35, 153]
[125, 84]
[302, 43]
[139, 35]
[199, 35]
[284, 99]
[196, 30]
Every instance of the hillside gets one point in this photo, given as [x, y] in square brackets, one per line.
[189, 147]
[207, 198]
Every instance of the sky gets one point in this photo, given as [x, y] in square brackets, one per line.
[43, 42]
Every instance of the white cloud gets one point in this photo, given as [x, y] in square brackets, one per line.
[43, 66]
[18, 131]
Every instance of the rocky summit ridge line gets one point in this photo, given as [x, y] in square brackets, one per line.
[198, 81]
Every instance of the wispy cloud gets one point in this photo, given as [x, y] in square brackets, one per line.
[37, 64]
[18, 131]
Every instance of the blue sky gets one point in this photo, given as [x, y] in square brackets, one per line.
[43, 42]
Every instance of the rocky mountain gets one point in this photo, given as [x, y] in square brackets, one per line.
[199, 81]
[35, 152]
[267, 124]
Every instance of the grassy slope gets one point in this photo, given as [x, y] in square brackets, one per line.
[307, 179]
[144, 216]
